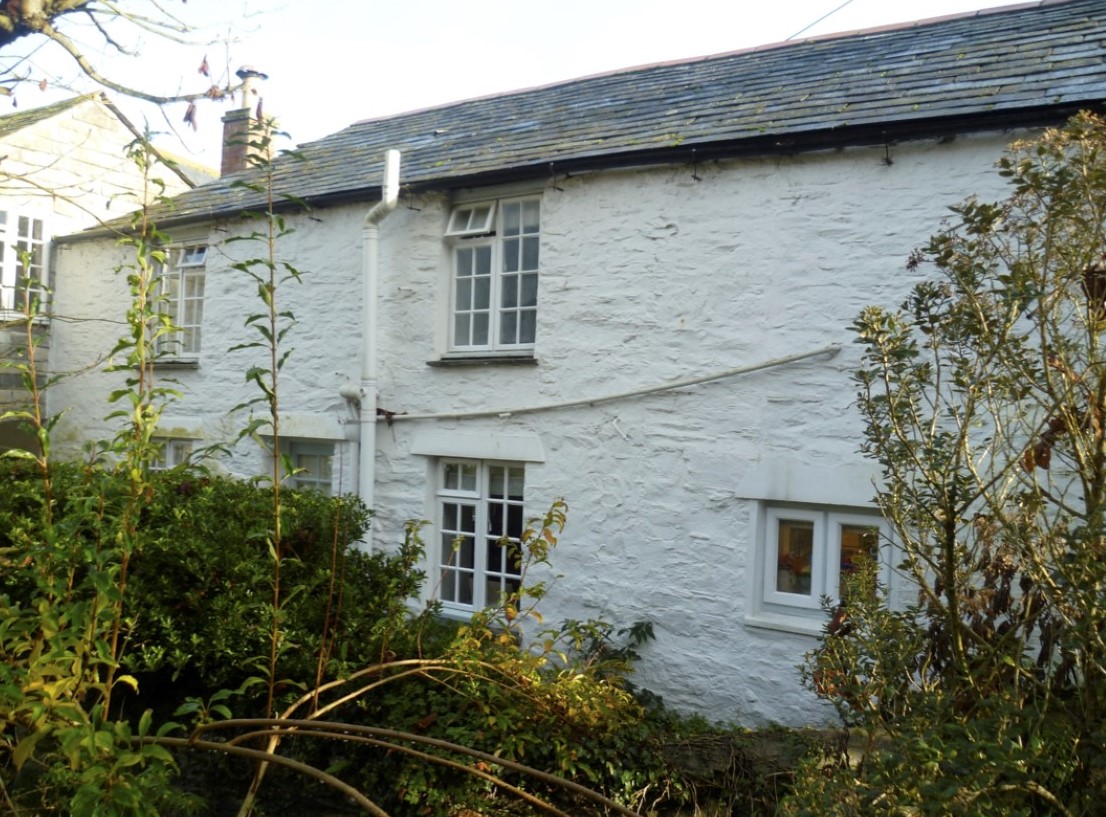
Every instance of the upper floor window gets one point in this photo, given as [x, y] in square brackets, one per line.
[23, 243]
[496, 259]
[480, 523]
[182, 301]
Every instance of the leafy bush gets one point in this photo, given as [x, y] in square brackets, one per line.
[985, 402]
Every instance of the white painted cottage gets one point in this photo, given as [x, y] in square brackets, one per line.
[631, 291]
[63, 167]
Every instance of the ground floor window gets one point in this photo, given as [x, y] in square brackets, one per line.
[312, 465]
[172, 452]
[808, 553]
[480, 522]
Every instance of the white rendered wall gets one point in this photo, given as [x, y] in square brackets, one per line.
[647, 276]
[71, 172]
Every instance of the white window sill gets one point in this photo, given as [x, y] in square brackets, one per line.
[455, 614]
[11, 318]
[178, 362]
[486, 359]
[802, 625]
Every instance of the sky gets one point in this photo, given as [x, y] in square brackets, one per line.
[331, 63]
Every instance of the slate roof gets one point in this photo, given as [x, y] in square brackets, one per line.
[1029, 64]
[12, 122]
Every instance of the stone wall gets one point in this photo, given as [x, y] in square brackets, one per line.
[648, 275]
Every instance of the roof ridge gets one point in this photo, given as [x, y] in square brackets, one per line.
[763, 47]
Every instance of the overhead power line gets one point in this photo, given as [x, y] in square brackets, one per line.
[825, 16]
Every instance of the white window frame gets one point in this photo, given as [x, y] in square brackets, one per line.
[174, 452]
[182, 281]
[305, 457]
[773, 603]
[471, 219]
[493, 259]
[18, 233]
[466, 570]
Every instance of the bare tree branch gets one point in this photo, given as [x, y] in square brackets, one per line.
[90, 71]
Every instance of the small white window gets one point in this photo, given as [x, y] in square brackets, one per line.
[480, 523]
[809, 552]
[182, 302]
[172, 453]
[473, 219]
[23, 247]
[496, 250]
[312, 465]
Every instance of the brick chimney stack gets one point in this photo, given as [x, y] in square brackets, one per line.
[237, 123]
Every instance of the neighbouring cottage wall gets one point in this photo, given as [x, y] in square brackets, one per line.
[648, 275]
[69, 171]
[323, 245]
[73, 169]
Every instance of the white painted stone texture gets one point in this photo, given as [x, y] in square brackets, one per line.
[648, 275]
[70, 171]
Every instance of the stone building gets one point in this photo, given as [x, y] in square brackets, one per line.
[632, 291]
[63, 167]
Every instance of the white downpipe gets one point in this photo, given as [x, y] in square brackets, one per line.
[830, 350]
[389, 196]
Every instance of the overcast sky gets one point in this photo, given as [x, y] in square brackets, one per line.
[333, 62]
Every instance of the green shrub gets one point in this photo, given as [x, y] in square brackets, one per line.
[985, 401]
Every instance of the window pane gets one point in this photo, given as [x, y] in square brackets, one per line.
[495, 481]
[479, 218]
[482, 296]
[466, 553]
[530, 212]
[468, 478]
[513, 555]
[508, 328]
[464, 589]
[510, 255]
[449, 516]
[449, 585]
[461, 330]
[858, 543]
[530, 253]
[514, 521]
[495, 556]
[468, 519]
[527, 326]
[464, 293]
[492, 592]
[189, 341]
[464, 262]
[516, 476]
[458, 220]
[511, 214]
[194, 286]
[509, 295]
[483, 261]
[529, 290]
[796, 549]
[480, 329]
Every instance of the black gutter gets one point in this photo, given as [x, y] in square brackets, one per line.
[788, 144]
